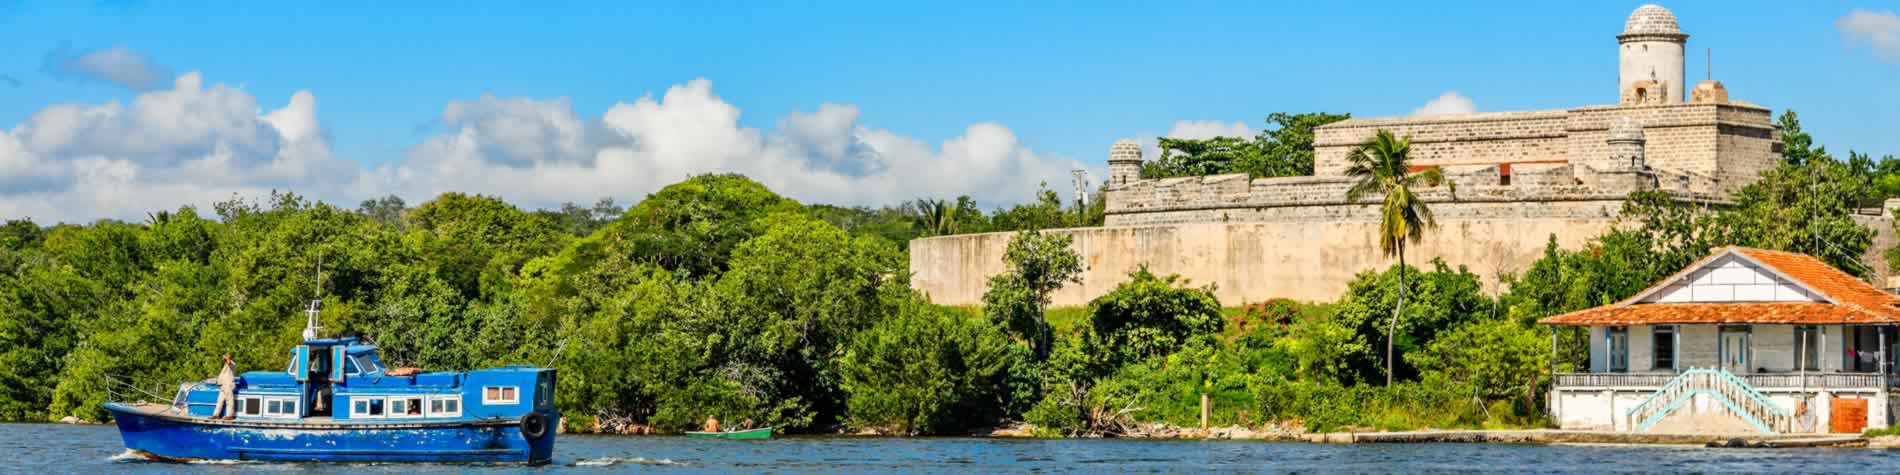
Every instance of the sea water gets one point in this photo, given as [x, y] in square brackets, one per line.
[45, 448]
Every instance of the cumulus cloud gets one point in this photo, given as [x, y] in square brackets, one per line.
[1207, 129]
[118, 66]
[540, 153]
[186, 145]
[1448, 103]
[195, 144]
[1191, 130]
[1878, 30]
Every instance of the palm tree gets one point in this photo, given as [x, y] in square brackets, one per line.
[1382, 165]
[936, 217]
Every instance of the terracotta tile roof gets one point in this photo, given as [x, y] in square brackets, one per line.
[1849, 299]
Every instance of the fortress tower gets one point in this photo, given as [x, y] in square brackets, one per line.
[1650, 58]
[1124, 163]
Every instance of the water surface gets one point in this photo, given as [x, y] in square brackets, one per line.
[41, 448]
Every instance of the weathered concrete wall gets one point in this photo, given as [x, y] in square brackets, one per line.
[1251, 262]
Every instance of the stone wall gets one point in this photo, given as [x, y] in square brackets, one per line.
[1308, 260]
[1729, 142]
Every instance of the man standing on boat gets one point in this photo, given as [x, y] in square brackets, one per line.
[227, 391]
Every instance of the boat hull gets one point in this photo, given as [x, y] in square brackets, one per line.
[189, 438]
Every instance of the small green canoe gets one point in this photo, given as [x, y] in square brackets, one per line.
[760, 433]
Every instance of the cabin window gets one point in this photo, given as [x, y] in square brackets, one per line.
[349, 366]
[1662, 344]
[250, 406]
[1617, 345]
[367, 363]
[492, 395]
[1807, 342]
[280, 407]
[366, 407]
[445, 406]
[405, 406]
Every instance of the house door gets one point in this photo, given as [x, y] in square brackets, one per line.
[1734, 350]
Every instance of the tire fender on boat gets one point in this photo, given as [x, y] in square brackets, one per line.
[534, 425]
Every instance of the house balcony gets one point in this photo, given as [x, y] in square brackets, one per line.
[1777, 382]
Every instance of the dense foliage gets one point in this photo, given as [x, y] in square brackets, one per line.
[1285, 148]
[717, 297]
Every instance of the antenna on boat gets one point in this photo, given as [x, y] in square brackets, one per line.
[311, 327]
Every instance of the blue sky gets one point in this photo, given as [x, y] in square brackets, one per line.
[1061, 80]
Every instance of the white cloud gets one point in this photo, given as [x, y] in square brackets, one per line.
[194, 145]
[120, 66]
[1445, 104]
[539, 153]
[1878, 30]
[1191, 130]
[1207, 129]
[187, 145]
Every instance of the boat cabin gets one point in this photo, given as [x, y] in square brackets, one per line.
[1744, 340]
[343, 380]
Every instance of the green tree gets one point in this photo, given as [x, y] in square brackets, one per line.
[1149, 315]
[935, 217]
[1287, 142]
[1382, 166]
[927, 369]
[1797, 147]
[1038, 264]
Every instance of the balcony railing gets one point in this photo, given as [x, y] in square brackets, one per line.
[1764, 381]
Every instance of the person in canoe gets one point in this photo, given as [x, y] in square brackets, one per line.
[712, 424]
[227, 391]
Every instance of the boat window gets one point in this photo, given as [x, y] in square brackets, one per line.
[349, 366]
[445, 406]
[366, 407]
[367, 363]
[492, 395]
[250, 406]
[280, 407]
[405, 406]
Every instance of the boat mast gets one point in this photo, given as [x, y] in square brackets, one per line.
[311, 327]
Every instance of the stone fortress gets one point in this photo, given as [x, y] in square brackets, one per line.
[1521, 178]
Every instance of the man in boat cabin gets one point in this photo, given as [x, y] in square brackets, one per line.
[227, 391]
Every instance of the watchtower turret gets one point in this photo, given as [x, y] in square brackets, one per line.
[1650, 49]
[1124, 163]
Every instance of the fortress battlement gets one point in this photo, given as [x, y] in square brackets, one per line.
[1523, 179]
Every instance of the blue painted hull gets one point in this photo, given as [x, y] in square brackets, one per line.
[192, 438]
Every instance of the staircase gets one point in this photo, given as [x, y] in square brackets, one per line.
[1736, 396]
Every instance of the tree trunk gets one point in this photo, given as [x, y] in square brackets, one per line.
[1391, 329]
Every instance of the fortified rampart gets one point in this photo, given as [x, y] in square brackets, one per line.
[1521, 178]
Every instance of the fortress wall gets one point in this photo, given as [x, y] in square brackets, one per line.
[1310, 256]
[1491, 137]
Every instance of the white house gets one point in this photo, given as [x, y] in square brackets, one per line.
[1745, 339]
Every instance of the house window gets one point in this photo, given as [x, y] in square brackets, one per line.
[1617, 344]
[445, 406]
[1663, 347]
[492, 395]
[366, 407]
[1807, 347]
[250, 406]
[405, 406]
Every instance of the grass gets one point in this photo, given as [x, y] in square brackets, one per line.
[1890, 430]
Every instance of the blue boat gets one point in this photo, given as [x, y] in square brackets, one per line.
[336, 402]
